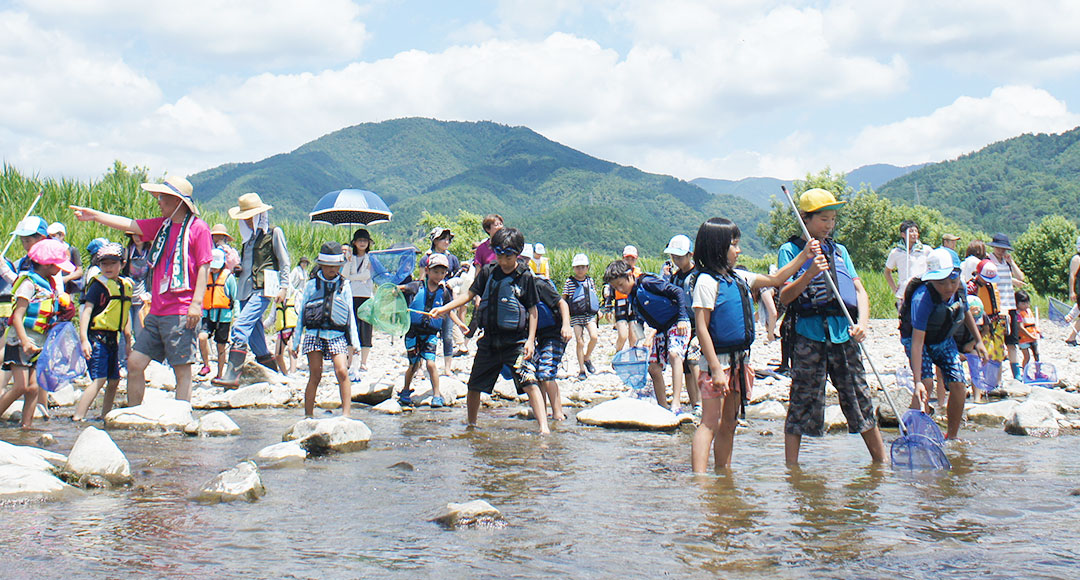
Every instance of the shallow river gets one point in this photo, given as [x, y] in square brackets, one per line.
[584, 503]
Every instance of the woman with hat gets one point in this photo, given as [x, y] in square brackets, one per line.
[179, 266]
[440, 244]
[358, 272]
[264, 276]
[1010, 277]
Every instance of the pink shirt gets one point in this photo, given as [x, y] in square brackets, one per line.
[176, 303]
[484, 254]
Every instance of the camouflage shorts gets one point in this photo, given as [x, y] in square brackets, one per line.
[812, 361]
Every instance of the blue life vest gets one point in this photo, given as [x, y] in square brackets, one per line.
[508, 313]
[686, 285]
[425, 301]
[584, 300]
[660, 312]
[817, 299]
[321, 312]
[944, 320]
[731, 324]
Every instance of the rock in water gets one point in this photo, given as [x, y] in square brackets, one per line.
[835, 421]
[164, 415]
[281, 455]
[630, 413]
[21, 483]
[30, 457]
[320, 436]
[476, 513]
[991, 414]
[767, 410]
[262, 394]
[46, 440]
[241, 482]
[389, 406]
[95, 454]
[65, 396]
[1033, 418]
[370, 392]
[213, 424]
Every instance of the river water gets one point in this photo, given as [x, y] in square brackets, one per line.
[584, 503]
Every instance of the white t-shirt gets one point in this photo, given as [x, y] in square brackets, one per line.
[899, 260]
[1004, 284]
[358, 272]
[705, 298]
[967, 268]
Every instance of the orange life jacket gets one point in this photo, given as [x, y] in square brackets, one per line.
[215, 292]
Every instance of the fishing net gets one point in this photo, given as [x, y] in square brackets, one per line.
[904, 379]
[919, 423]
[1057, 310]
[61, 360]
[1040, 373]
[632, 366]
[386, 311]
[392, 266]
[985, 376]
[914, 452]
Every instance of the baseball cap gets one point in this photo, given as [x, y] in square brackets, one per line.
[987, 271]
[630, 251]
[817, 199]
[539, 249]
[527, 251]
[580, 260]
[32, 225]
[50, 251]
[438, 260]
[939, 265]
[217, 259]
[109, 251]
[678, 246]
[56, 228]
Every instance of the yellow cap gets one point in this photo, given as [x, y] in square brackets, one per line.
[817, 199]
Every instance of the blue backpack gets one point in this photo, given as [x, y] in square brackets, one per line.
[508, 314]
[425, 301]
[584, 300]
[731, 324]
[545, 315]
[659, 311]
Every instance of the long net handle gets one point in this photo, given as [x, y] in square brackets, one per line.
[836, 294]
[7, 246]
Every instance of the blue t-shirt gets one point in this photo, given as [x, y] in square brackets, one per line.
[811, 326]
[922, 304]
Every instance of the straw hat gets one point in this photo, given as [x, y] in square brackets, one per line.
[250, 205]
[220, 230]
[175, 186]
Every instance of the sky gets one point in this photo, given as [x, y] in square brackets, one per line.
[720, 89]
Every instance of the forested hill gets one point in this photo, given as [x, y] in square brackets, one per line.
[556, 194]
[1003, 187]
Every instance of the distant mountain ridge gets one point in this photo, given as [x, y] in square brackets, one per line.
[553, 193]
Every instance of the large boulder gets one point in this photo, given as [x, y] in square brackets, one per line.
[451, 389]
[475, 513]
[30, 457]
[253, 373]
[371, 391]
[991, 414]
[21, 483]
[630, 413]
[65, 396]
[239, 483]
[262, 394]
[281, 455]
[160, 376]
[95, 457]
[319, 436]
[1033, 418]
[161, 415]
[1065, 402]
[213, 424]
[767, 410]
[209, 398]
[900, 396]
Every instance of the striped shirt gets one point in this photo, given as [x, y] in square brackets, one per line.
[1004, 284]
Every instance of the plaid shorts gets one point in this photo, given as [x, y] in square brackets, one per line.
[544, 363]
[667, 343]
[811, 362]
[329, 347]
[944, 355]
[421, 346]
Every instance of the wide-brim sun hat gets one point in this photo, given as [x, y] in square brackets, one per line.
[248, 206]
[330, 255]
[438, 232]
[678, 246]
[1000, 241]
[939, 265]
[175, 186]
[220, 230]
[579, 260]
[817, 199]
[52, 252]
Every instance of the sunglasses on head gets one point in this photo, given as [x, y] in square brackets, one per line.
[505, 251]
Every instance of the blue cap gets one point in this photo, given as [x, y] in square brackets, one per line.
[32, 225]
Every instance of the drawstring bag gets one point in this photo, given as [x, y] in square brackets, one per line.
[61, 360]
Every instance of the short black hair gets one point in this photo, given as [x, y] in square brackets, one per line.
[1022, 296]
[508, 238]
[617, 269]
[907, 225]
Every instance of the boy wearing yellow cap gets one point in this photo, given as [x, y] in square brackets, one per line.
[824, 344]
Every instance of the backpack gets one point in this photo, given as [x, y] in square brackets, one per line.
[545, 315]
[425, 301]
[584, 300]
[659, 311]
[731, 324]
[508, 314]
[817, 299]
[945, 320]
[319, 310]
[686, 284]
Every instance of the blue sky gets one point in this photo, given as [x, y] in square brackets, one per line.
[687, 88]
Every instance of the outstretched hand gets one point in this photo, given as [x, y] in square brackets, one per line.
[84, 214]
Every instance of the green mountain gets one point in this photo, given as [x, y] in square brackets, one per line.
[878, 174]
[555, 194]
[1003, 187]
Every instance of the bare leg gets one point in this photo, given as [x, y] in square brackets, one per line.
[204, 348]
[623, 330]
[659, 388]
[433, 376]
[594, 337]
[341, 369]
[110, 396]
[18, 388]
[409, 374]
[692, 390]
[136, 379]
[551, 389]
[472, 407]
[315, 364]
[87, 400]
[536, 400]
[955, 410]
[676, 381]
[725, 437]
[704, 435]
[222, 356]
[791, 448]
[874, 444]
[364, 352]
[183, 382]
[579, 347]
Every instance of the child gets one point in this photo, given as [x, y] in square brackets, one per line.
[552, 334]
[508, 315]
[285, 326]
[327, 325]
[37, 307]
[219, 307]
[1029, 328]
[106, 313]
[983, 285]
[539, 263]
[933, 311]
[823, 343]
[422, 339]
[725, 327]
[683, 275]
[579, 292]
[662, 306]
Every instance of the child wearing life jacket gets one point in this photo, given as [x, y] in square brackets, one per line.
[422, 339]
[823, 342]
[662, 306]
[285, 326]
[552, 333]
[1029, 328]
[933, 311]
[722, 305]
[684, 275]
[508, 315]
[105, 315]
[628, 328]
[38, 304]
[327, 326]
[220, 306]
[579, 292]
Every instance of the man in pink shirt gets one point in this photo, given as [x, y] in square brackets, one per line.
[484, 255]
[180, 255]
